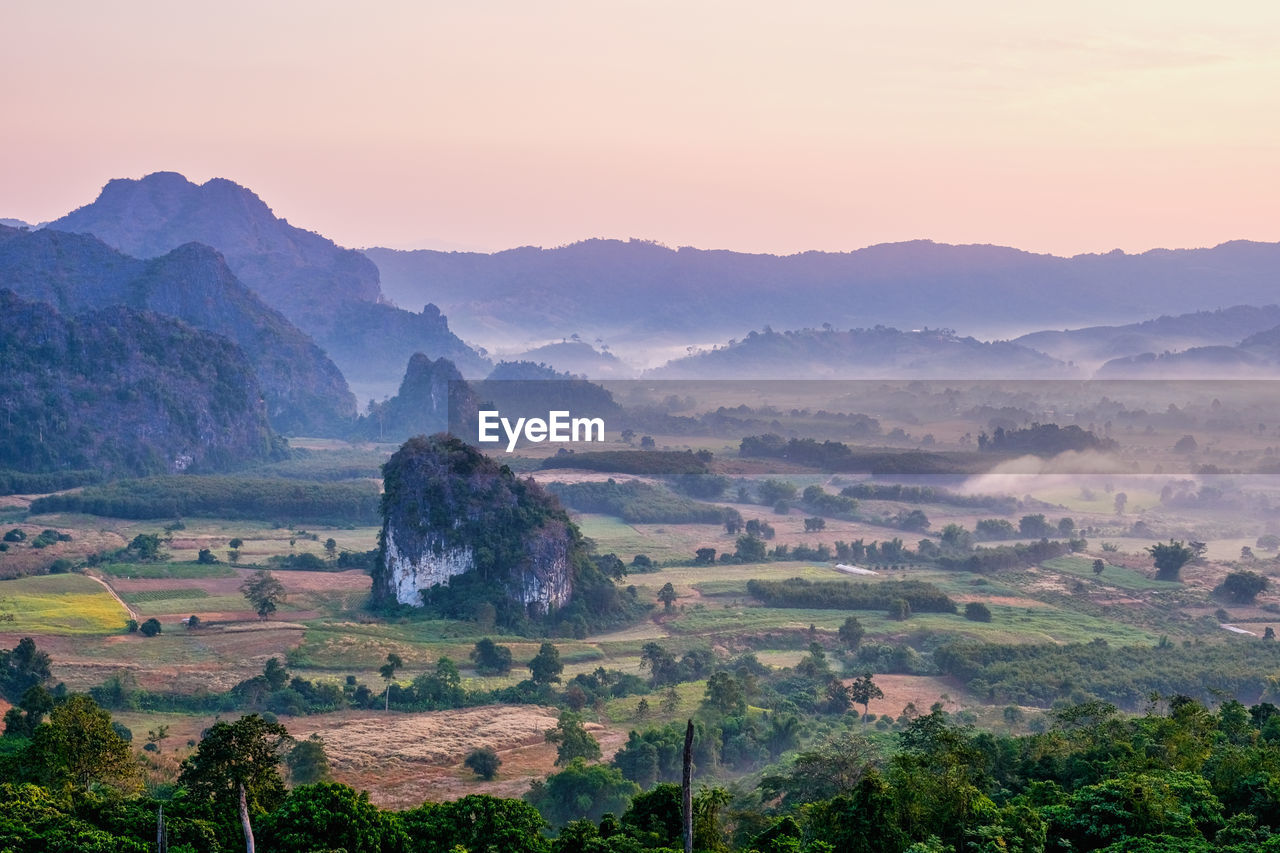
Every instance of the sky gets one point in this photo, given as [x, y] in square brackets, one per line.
[1062, 128]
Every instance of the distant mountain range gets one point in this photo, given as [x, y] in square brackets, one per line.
[639, 293]
[329, 292]
[123, 392]
[75, 273]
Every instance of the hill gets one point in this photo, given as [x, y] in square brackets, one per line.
[862, 353]
[1096, 344]
[330, 292]
[124, 392]
[642, 293]
[579, 358]
[304, 390]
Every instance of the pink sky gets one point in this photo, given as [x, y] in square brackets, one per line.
[1082, 127]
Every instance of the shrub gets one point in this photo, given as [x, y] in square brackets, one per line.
[484, 762]
[976, 611]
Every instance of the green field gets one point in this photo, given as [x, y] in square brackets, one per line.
[1116, 576]
[177, 571]
[60, 604]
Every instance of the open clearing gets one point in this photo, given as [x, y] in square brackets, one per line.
[405, 759]
[60, 604]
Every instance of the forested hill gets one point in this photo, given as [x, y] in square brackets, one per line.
[330, 292]
[640, 289]
[123, 392]
[1097, 344]
[304, 390]
[863, 353]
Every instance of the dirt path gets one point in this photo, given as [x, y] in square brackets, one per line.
[133, 614]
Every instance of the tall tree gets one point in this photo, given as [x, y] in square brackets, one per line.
[264, 592]
[235, 767]
[388, 673]
[545, 668]
[863, 690]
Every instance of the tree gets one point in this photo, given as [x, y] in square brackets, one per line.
[264, 592]
[899, 609]
[78, 747]
[863, 690]
[235, 768]
[193, 622]
[724, 695]
[814, 524]
[150, 628]
[331, 548]
[1244, 586]
[1122, 500]
[328, 816]
[476, 823]
[704, 556]
[206, 557]
[545, 668]
[483, 762]
[852, 632]
[580, 790]
[491, 658]
[750, 549]
[146, 546]
[1099, 567]
[1170, 558]
[388, 673]
[976, 611]
[667, 595]
[572, 739]
[308, 762]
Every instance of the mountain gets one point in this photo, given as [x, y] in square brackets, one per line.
[124, 392]
[329, 292]
[433, 397]
[1097, 344]
[579, 358]
[638, 294]
[863, 354]
[304, 390]
[14, 223]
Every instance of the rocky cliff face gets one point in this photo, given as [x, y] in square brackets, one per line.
[433, 398]
[461, 532]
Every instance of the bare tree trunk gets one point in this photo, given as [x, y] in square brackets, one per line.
[686, 789]
[162, 841]
[244, 821]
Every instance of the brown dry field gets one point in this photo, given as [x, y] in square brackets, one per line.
[923, 690]
[213, 658]
[406, 759]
